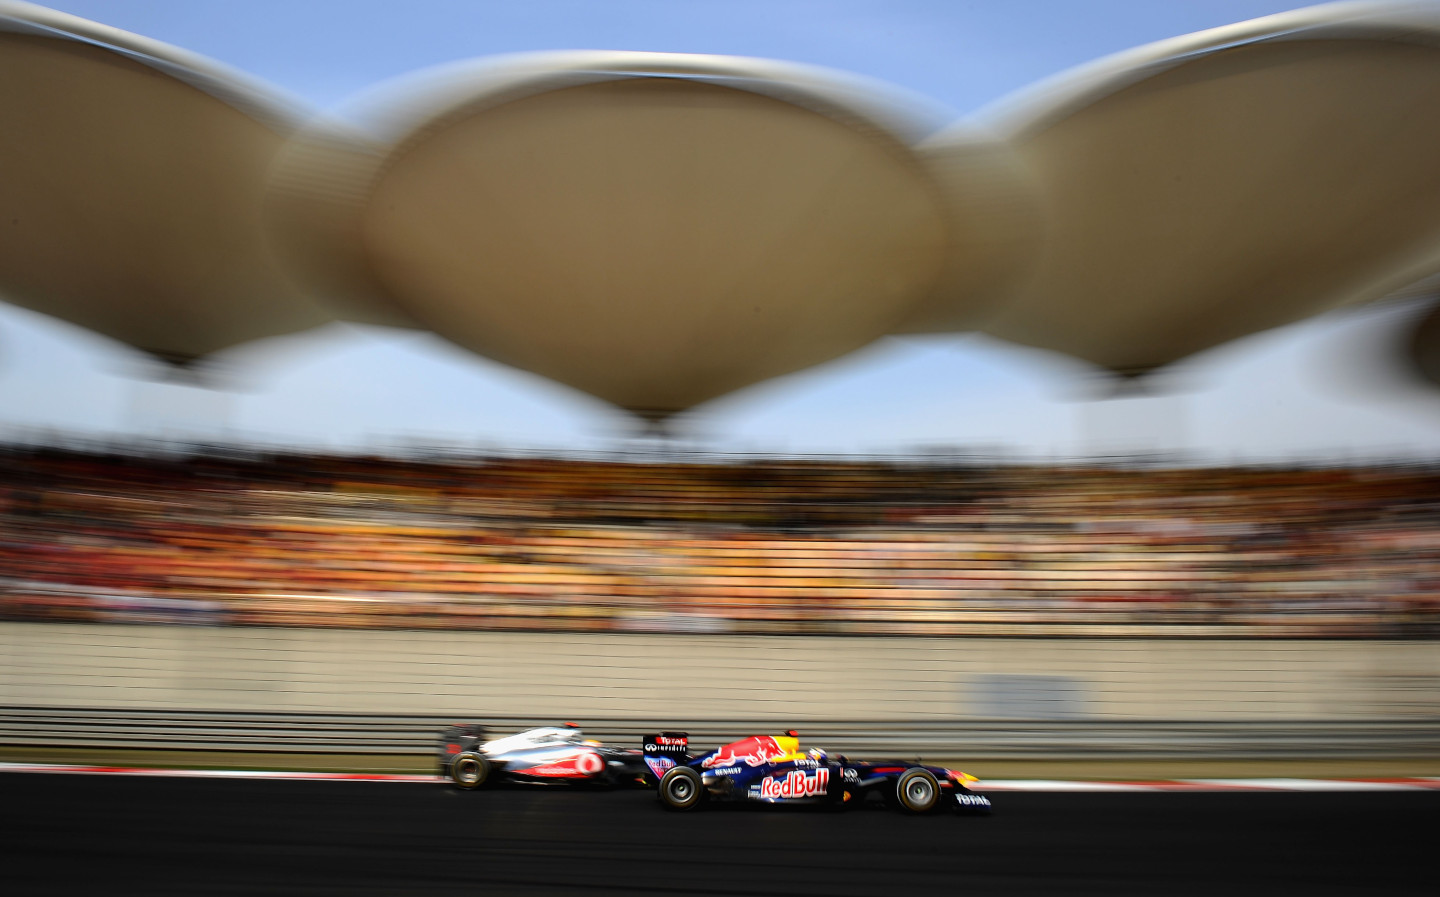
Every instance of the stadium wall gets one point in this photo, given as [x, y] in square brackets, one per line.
[610, 675]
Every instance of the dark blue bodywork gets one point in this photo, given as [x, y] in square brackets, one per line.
[772, 769]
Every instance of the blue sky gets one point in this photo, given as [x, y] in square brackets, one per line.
[1295, 392]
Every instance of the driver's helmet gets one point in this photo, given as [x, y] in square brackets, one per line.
[571, 732]
[816, 754]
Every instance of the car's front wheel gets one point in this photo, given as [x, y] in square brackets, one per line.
[681, 788]
[469, 770]
[917, 790]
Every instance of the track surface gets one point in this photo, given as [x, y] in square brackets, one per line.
[64, 834]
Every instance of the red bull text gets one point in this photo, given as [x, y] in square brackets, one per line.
[795, 784]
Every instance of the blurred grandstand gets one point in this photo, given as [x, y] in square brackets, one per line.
[925, 546]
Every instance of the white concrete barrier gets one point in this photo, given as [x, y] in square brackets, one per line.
[563, 675]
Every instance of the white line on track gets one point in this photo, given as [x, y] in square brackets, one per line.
[1060, 785]
[1412, 784]
[1388, 784]
[214, 773]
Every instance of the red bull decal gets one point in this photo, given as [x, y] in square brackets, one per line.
[795, 784]
[751, 751]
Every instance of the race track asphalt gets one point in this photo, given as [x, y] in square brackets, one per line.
[86, 834]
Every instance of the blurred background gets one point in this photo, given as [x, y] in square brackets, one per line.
[946, 540]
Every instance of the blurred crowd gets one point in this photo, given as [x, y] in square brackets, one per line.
[739, 546]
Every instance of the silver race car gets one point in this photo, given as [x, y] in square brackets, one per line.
[545, 755]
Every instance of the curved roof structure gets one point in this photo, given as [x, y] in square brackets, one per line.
[1231, 181]
[659, 230]
[131, 176]
[653, 229]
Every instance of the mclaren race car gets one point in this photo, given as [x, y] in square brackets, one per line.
[772, 769]
[546, 755]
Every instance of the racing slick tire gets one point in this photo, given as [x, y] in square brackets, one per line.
[681, 788]
[917, 790]
[469, 770]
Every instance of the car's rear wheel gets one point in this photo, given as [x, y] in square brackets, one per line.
[917, 790]
[681, 788]
[469, 770]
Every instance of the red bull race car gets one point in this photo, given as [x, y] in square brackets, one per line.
[772, 769]
[546, 755]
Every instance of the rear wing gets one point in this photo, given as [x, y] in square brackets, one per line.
[456, 739]
[666, 750]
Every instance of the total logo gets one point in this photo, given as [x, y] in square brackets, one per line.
[795, 784]
[972, 800]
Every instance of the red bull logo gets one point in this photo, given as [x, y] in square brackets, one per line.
[795, 784]
[751, 751]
